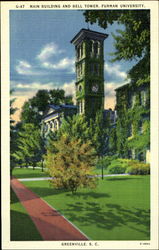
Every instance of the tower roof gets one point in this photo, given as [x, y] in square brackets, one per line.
[86, 33]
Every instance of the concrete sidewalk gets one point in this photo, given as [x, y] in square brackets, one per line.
[50, 178]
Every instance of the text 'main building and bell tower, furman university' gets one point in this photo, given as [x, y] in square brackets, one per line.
[89, 65]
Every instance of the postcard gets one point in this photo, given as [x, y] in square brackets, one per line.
[79, 124]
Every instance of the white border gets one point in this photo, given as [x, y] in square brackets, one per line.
[7, 244]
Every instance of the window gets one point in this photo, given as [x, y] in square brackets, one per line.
[140, 127]
[80, 88]
[96, 68]
[78, 52]
[46, 127]
[95, 49]
[55, 124]
[141, 156]
[133, 100]
[99, 45]
[82, 50]
[130, 130]
[51, 125]
[92, 68]
[80, 106]
[131, 154]
[143, 97]
[91, 46]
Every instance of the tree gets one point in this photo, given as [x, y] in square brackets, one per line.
[30, 146]
[71, 162]
[96, 131]
[99, 132]
[131, 43]
[75, 127]
[33, 109]
[13, 134]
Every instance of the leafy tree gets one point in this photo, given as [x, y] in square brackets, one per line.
[96, 131]
[75, 127]
[71, 162]
[57, 96]
[99, 131]
[33, 109]
[30, 114]
[30, 145]
[13, 134]
[132, 42]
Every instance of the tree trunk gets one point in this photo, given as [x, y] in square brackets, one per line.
[42, 166]
[33, 165]
[102, 173]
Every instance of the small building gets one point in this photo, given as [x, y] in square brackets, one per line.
[133, 121]
[54, 114]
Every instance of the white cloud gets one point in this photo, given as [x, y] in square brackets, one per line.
[111, 86]
[69, 88]
[115, 69]
[110, 94]
[25, 68]
[48, 51]
[24, 88]
[65, 63]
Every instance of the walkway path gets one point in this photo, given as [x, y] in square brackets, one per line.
[50, 224]
[49, 178]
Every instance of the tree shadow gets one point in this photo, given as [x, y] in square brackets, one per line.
[109, 216]
[88, 195]
[22, 228]
[123, 178]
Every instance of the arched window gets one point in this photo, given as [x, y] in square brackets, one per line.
[80, 88]
[96, 49]
[82, 50]
[99, 46]
[140, 127]
[55, 124]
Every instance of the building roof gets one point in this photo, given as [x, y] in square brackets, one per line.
[57, 108]
[88, 33]
[122, 87]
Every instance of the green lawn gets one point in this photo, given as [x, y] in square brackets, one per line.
[22, 227]
[118, 209]
[28, 173]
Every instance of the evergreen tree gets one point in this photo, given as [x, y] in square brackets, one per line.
[30, 146]
[71, 162]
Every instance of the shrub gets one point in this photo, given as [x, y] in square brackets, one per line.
[118, 166]
[138, 168]
[105, 161]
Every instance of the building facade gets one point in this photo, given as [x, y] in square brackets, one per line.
[52, 118]
[133, 121]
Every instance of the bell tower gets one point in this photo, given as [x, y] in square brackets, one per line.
[89, 65]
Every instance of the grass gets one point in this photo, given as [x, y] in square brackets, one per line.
[22, 227]
[118, 209]
[28, 173]
[98, 171]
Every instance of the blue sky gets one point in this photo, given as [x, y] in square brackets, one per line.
[42, 57]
